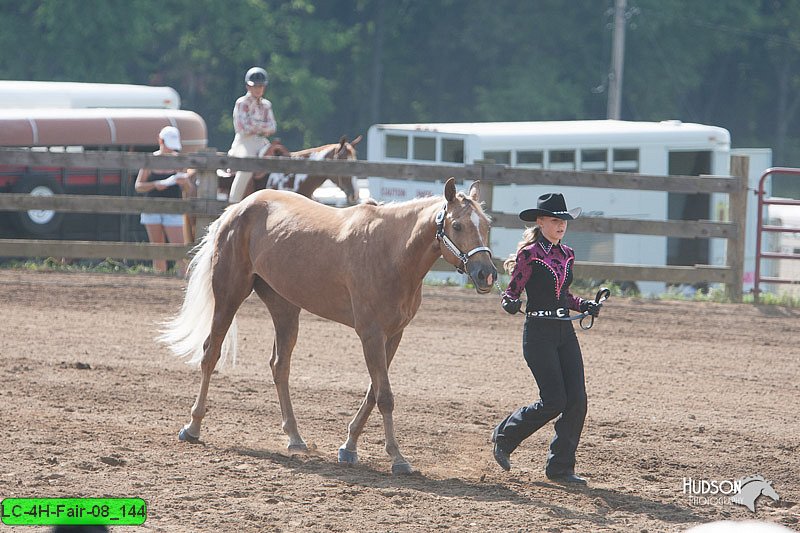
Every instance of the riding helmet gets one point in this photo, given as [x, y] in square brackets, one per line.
[256, 76]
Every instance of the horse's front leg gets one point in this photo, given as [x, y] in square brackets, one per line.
[377, 364]
[348, 452]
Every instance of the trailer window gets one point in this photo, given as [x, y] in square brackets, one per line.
[499, 157]
[453, 150]
[397, 146]
[626, 160]
[562, 159]
[530, 159]
[594, 160]
[424, 149]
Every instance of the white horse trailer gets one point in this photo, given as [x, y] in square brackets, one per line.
[76, 95]
[650, 148]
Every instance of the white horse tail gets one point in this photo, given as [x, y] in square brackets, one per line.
[186, 333]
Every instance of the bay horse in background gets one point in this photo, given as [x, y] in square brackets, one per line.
[259, 179]
[302, 183]
[306, 185]
[361, 266]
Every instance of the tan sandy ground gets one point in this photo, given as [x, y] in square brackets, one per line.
[676, 390]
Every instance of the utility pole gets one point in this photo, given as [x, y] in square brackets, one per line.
[377, 63]
[617, 62]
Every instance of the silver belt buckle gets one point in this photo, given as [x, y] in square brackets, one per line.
[561, 312]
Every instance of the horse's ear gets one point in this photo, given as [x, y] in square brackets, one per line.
[450, 189]
[343, 140]
[475, 190]
[355, 141]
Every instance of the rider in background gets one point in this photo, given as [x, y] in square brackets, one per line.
[253, 123]
[542, 268]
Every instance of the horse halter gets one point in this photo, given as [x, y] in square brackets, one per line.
[450, 245]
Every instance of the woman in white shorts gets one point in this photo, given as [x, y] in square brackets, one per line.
[158, 183]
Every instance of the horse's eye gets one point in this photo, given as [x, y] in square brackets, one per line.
[457, 226]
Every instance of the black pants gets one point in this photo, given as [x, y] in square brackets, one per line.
[553, 354]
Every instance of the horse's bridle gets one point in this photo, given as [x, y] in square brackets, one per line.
[450, 245]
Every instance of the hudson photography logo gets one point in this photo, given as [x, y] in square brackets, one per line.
[744, 491]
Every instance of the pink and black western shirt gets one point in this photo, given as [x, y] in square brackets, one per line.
[544, 271]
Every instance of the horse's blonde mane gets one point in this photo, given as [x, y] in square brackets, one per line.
[400, 204]
[479, 206]
[426, 199]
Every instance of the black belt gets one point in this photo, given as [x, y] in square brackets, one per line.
[561, 313]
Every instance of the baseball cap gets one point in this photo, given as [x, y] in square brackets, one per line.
[171, 137]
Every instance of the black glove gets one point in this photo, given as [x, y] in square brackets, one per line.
[591, 307]
[511, 306]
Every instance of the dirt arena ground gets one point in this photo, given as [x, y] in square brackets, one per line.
[91, 407]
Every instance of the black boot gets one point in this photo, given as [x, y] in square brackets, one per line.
[502, 457]
[567, 478]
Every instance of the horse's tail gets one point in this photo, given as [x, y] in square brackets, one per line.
[186, 333]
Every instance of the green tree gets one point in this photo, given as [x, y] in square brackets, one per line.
[338, 66]
[72, 41]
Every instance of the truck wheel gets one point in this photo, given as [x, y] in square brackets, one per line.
[38, 222]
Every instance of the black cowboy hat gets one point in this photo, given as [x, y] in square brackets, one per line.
[551, 205]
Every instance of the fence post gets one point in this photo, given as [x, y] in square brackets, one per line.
[487, 196]
[206, 189]
[740, 168]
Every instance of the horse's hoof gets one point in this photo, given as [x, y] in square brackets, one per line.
[185, 436]
[298, 448]
[402, 469]
[346, 456]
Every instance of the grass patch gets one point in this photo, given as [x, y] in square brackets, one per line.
[718, 295]
[105, 266]
[767, 298]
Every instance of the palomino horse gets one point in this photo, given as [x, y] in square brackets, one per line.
[361, 266]
[305, 184]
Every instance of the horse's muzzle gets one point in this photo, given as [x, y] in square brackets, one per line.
[483, 275]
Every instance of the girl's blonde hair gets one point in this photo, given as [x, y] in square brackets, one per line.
[529, 236]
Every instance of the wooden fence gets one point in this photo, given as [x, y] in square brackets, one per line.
[206, 207]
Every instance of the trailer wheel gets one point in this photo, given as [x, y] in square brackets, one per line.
[38, 222]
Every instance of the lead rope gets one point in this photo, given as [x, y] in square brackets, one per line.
[497, 285]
